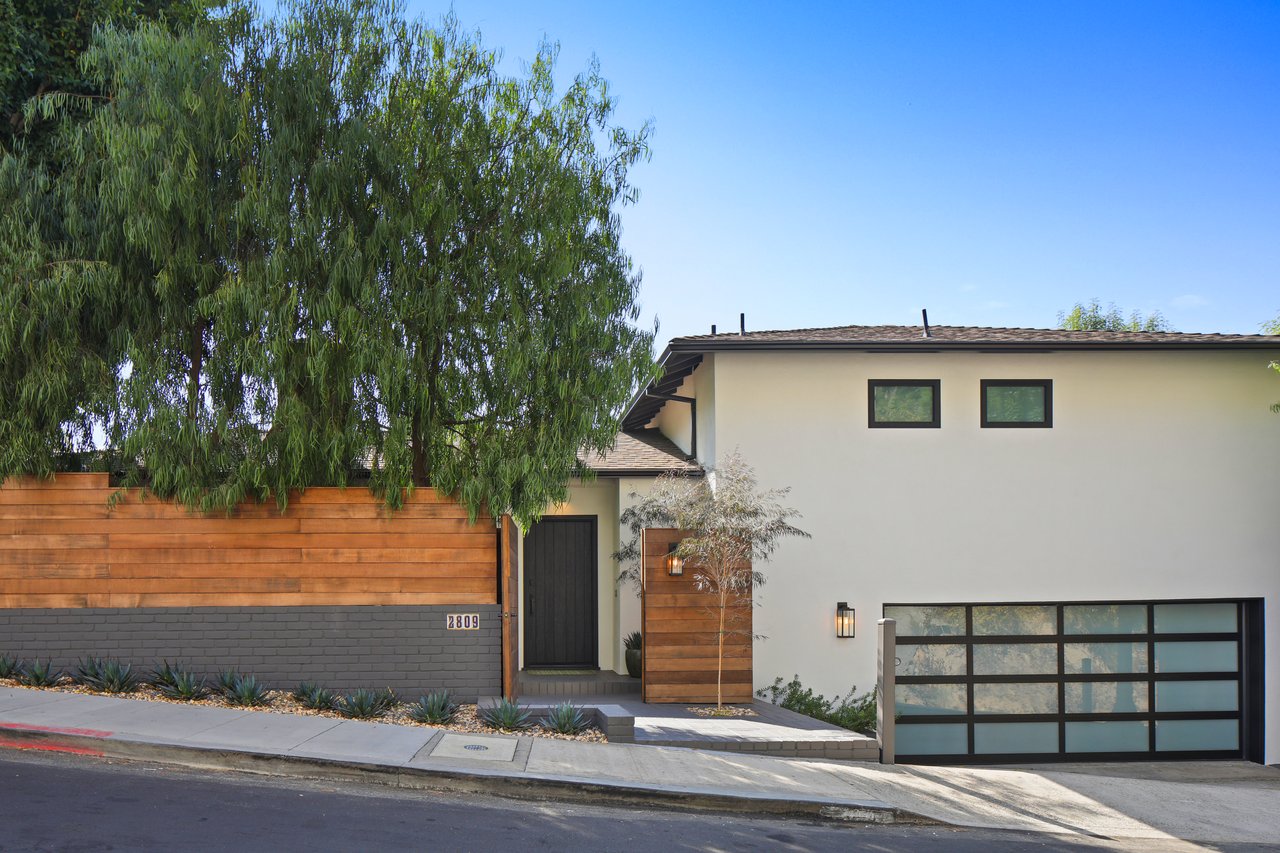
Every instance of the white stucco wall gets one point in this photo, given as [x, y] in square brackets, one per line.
[1159, 479]
[674, 421]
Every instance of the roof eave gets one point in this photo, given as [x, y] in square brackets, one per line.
[678, 346]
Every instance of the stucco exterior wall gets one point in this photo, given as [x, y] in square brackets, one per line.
[1158, 479]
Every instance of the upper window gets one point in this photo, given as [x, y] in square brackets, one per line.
[1017, 403]
[903, 402]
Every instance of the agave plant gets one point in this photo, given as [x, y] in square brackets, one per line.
[506, 716]
[247, 692]
[362, 704]
[108, 676]
[387, 699]
[9, 667]
[88, 671]
[37, 674]
[314, 696]
[164, 675]
[436, 708]
[176, 683]
[566, 719]
[226, 681]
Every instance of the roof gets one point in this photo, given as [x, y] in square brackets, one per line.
[683, 355]
[640, 453]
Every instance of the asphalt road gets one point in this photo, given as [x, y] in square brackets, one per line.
[52, 802]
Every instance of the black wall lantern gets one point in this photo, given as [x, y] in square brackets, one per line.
[844, 620]
[673, 561]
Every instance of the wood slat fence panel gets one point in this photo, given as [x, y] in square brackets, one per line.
[680, 627]
[62, 546]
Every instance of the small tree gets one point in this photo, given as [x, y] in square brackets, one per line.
[1273, 328]
[733, 525]
[1093, 317]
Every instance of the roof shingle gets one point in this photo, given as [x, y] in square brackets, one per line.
[967, 335]
[644, 452]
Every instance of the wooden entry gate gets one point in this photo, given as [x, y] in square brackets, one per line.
[680, 627]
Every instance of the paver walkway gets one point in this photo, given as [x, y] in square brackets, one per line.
[1209, 802]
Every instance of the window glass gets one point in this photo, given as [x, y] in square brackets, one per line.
[1110, 736]
[1033, 698]
[1019, 619]
[930, 659]
[1104, 619]
[1085, 658]
[1015, 404]
[1212, 617]
[1172, 735]
[1106, 697]
[906, 403]
[1015, 659]
[932, 739]
[1197, 695]
[918, 699]
[1213, 656]
[996, 738]
[927, 621]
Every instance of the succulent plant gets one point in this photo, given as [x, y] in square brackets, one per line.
[387, 699]
[226, 681]
[176, 683]
[633, 641]
[37, 674]
[362, 704]
[246, 691]
[314, 696]
[106, 675]
[506, 716]
[566, 719]
[436, 708]
[9, 667]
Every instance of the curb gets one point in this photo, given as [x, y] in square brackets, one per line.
[523, 787]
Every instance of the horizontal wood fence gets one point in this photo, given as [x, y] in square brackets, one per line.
[680, 627]
[62, 546]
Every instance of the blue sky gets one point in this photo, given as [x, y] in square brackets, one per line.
[819, 164]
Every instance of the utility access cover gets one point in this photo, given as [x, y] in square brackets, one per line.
[476, 747]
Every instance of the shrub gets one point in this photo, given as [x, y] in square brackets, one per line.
[9, 667]
[107, 676]
[566, 719]
[226, 682]
[386, 699]
[314, 696]
[505, 716]
[435, 708]
[246, 691]
[36, 674]
[633, 641]
[176, 683]
[856, 713]
[364, 704]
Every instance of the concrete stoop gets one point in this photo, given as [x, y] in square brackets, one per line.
[603, 683]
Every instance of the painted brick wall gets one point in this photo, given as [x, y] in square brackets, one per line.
[406, 648]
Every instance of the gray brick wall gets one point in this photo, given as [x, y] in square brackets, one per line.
[343, 648]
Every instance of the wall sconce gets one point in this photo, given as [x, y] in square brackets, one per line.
[844, 620]
[673, 561]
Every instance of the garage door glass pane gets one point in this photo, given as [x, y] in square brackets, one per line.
[927, 621]
[1118, 736]
[1195, 618]
[918, 699]
[1106, 697]
[1035, 698]
[1015, 659]
[1173, 735]
[1215, 656]
[1197, 696]
[1108, 658]
[931, 659]
[1104, 619]
[1013, 620]
[993, 738]
[933, 739]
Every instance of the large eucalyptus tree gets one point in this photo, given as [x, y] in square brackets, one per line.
[295, 246]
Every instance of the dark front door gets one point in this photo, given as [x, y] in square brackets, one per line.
[560, 592]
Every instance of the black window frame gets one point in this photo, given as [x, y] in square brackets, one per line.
[1046, 384]
[935, 384]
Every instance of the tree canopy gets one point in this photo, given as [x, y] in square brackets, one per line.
[1093, 317]
[279, 250]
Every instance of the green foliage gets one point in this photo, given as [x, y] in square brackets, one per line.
[281, 250]
[856, 713]
[108, 676]
[226, 681]
[37, 674]
[633, 641]
[1093, 317]
[314, 696]
[9, 667]
[365, 704]
[566, 719]
[246, 692]
[1273, 328]
[436, 708]
[506, 716]
[173, 682]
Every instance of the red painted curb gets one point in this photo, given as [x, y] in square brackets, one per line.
[57, 730]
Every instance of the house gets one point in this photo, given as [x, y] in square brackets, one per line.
[1075, 531]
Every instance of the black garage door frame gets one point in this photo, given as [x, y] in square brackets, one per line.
[1249, 675]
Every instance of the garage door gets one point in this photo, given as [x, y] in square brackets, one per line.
[1075, 681]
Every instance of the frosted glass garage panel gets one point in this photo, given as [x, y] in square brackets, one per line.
[1015, 659]
[932, 739]
[1206, 618]
[927, 621]
[1104, 619]
[1197, 735]
[996, 738]
[924, 699]
[1108, 736]
[1106, 697]
[1104, 658]
[1011, 620]
[1192, 656]
[931, 659]
[1197, 696]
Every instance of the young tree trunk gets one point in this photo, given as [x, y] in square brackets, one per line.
[720, 654]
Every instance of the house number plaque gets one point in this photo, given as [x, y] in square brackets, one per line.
[462, 622]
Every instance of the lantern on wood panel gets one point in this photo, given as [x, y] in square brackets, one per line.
[673, 561]
[844, 620]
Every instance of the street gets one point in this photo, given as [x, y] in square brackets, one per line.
[51, 802]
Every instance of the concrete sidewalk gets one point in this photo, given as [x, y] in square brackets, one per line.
[1209, 802]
